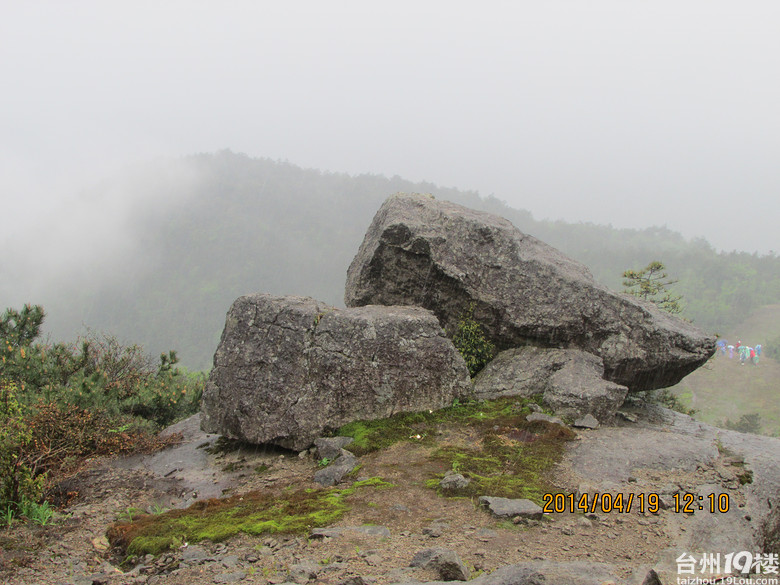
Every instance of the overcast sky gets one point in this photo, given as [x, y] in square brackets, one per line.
[634, 113]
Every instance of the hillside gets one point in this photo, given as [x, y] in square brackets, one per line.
[193, 239]
[723, 389]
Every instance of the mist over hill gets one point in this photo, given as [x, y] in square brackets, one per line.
[171, 245]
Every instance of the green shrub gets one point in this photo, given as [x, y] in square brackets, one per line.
[772, 349]
[470, 341]
[64, 402]
[17, 481]
[747, 423]
[95, 373]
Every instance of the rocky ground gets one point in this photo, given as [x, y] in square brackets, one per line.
[376, 541]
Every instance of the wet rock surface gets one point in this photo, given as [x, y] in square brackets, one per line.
[449, 259]
[733, 500]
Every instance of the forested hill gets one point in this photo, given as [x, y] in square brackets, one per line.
[247, 225]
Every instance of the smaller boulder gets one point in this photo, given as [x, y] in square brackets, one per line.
[652, 578]
[586, 422]
[509, 508]
[541, 417]
[353, 580]
[304, 572]
[454, 482]
[570, 380]
[335, 472]
[435, 529]
[446, 563]
[330, 447]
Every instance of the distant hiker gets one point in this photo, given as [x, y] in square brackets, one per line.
[722, 346]
[739, 344]
[753, 356]
[743, 354]
[758, 350]
[731, 352]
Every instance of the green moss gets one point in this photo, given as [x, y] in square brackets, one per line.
[154, 545]
[510, 461]
[420, 426]
[379, 434]
[253, 513]
[508, 458]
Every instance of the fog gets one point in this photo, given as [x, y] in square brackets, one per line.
[614, 112]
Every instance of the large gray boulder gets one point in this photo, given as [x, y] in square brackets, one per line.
[570, 380]
[447, 258]
[289, 368]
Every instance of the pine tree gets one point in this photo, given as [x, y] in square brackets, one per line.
[21, 328]
[651, 283]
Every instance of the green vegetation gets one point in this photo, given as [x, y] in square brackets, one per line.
[18, 486]
[652, 283]
[747, 423]
[259, 512]
[61, 403]
[419, 427]
[772, 348]
[510, 461]
[470, 341]
[502, 453]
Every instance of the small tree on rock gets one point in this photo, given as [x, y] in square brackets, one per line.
[651, 283]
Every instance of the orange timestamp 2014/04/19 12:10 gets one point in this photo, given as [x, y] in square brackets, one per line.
[683, 503]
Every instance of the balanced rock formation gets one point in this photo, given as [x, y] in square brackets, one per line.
[570, 380]
[447, 258]
[289, 368]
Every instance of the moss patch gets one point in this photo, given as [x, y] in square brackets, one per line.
[218, 519]
[489, 442]
[509, 461]
[507, 457]
[421, 427]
